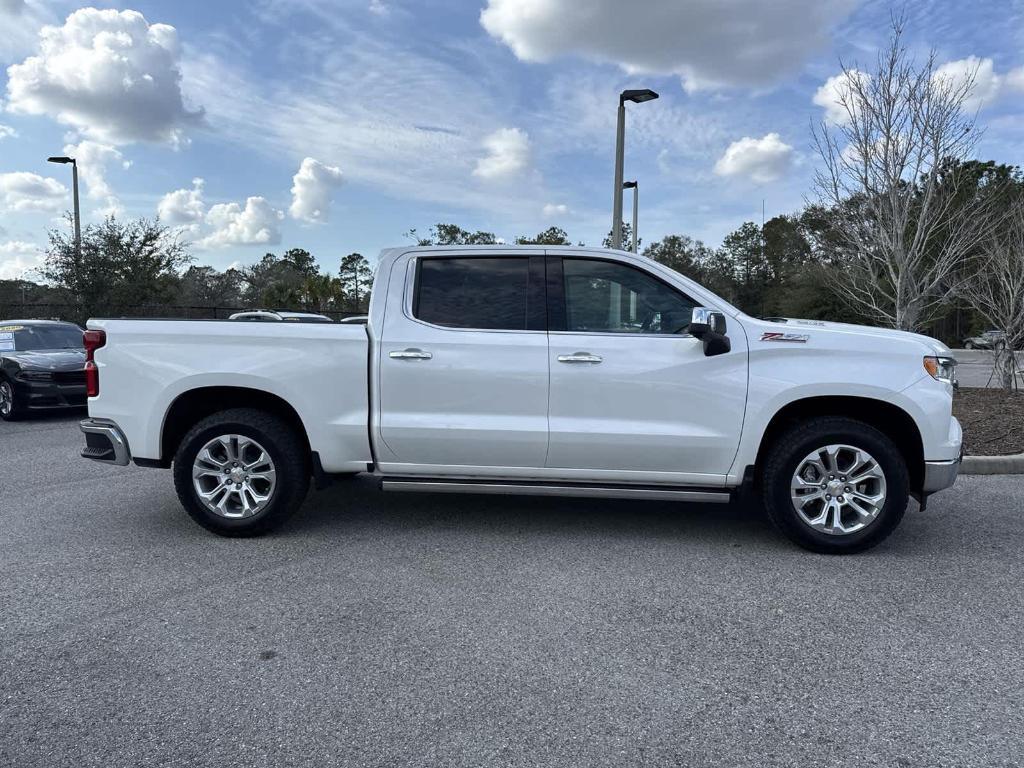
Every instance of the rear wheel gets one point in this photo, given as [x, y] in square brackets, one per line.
[10, 408]
[835, 485]
[241, 472]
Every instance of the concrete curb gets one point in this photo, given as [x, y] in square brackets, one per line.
[993, 465]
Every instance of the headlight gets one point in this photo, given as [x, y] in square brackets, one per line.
[941, 368]
[35, 376]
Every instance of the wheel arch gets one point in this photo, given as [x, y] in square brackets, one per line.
[192, 406]
[887, 418]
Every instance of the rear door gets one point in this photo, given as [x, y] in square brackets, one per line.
[464, 364]
[630, 390]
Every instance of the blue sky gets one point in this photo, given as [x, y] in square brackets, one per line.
[337, 125]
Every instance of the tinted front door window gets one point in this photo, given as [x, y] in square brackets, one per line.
[607, 297]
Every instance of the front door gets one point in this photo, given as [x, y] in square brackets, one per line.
[632, 394]
[464, 365]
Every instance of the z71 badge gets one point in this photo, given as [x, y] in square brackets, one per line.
[792, 338]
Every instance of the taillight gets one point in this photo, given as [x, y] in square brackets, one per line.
[92, 341]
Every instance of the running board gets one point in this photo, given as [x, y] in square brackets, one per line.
[434, 485]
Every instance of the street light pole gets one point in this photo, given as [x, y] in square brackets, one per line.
[637, 97]
[620, 142]
[74, 194]
[635, 186]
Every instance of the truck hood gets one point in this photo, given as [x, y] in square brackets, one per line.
[797, 325]
[47, 359]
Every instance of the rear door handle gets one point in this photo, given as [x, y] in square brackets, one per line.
[580, 357]
[410, 354]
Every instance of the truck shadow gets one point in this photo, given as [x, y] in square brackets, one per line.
[358, 506]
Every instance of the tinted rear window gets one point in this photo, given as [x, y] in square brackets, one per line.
[489, 293]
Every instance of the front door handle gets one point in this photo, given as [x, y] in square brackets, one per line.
[580, 357]
[410, 354]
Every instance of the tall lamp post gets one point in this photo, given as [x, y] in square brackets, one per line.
[635, 186]
[74, 184]
[637, 97]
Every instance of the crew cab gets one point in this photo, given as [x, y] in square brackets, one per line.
[533, 370]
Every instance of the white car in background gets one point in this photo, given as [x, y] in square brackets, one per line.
[275, 316]
[534, 370]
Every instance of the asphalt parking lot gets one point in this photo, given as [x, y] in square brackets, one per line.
[974, 367]
[409, 630]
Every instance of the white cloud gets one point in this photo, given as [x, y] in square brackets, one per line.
[23, 191]
[831, 94]
[985, 86]
[553, 210]
[378, 8]
[17, 258]
[311, 190]
[255, 224]
[707, 43]
[760, 160]
[508, 153]
[1015, 79]
[6, 132]
[108, 73]
[183, 206]
[93, 160]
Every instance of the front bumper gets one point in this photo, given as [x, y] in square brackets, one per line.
[940, 474]
[105, 442]
[46, 395]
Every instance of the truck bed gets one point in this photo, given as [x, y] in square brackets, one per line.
[319, 369]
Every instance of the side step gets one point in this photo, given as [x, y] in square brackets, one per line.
[533, 488]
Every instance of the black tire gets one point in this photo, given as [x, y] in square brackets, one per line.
[1000, 346]
[969, 345]
[786, 453]
[286, 449]
[16, 411]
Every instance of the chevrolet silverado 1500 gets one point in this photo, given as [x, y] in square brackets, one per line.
[533, 370]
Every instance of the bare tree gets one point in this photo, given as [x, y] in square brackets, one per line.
[903, 214]
[995, 288]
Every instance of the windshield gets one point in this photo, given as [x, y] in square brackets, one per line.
[27, 338]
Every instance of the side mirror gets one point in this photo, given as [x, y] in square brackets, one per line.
[709, 326]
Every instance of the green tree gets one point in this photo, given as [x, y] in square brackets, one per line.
[301, 262]
[279, 282]
[321, 293]
[452, 234]
[356, 279]
[550, 236]
[122, 264]
[206, 287]
[682, 253]
[627, 238]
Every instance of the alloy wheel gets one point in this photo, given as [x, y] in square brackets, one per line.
[838, 489]
[6, 398]
[234, 476]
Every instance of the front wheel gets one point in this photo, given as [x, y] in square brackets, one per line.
[241, 472]
[10, 408]
[835, 485]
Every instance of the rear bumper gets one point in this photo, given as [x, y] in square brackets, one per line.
[105, 442]
[940, 474]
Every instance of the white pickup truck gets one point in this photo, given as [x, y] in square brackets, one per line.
[533, 370]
